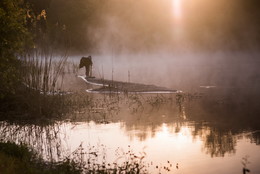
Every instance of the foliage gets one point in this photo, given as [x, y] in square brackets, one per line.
[13, 32]
[13, 38]
[19, 159]
[22, 27]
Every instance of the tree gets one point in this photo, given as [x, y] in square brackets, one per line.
[14, 37]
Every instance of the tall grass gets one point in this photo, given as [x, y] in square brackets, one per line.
[43, 72]
[20, 159]
[41, 91]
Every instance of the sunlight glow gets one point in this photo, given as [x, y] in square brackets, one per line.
[181, 138]
[177, 12]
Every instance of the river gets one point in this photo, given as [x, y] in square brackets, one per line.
[167, 133]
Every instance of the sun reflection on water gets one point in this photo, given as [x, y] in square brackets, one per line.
[180, 138]
[169, 144]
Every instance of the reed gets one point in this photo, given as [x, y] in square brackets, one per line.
[43, 72]
[41, 93]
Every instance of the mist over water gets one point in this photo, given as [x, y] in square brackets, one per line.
[178, 44]
[183, 71]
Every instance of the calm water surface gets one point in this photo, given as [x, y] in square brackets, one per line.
[200, 136]
[164, 144]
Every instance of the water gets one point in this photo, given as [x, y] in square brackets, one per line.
[193, 153]
[205, 132]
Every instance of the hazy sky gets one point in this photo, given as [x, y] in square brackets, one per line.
[174, 24]
[175, 43]
[146, 25]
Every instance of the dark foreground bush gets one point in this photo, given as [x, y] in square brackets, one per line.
[19, 159]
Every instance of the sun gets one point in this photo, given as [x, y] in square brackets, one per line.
[177, 11]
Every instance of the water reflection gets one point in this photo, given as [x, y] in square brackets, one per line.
[46, 140]
[163, 143]
[190, 130]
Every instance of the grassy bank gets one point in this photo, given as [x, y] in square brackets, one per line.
[39, 93]
[19, 159]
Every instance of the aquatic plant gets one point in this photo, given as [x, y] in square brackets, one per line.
[245, 162]
[93, 160]
[157, 101]
[19, 159]
[42, 72]
[135, 103]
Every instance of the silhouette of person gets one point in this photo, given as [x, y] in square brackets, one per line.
[87, 62]
[245, 170]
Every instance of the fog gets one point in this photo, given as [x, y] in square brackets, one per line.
[148, 25]
[141, 26]
[180, 44]
[182, 71]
